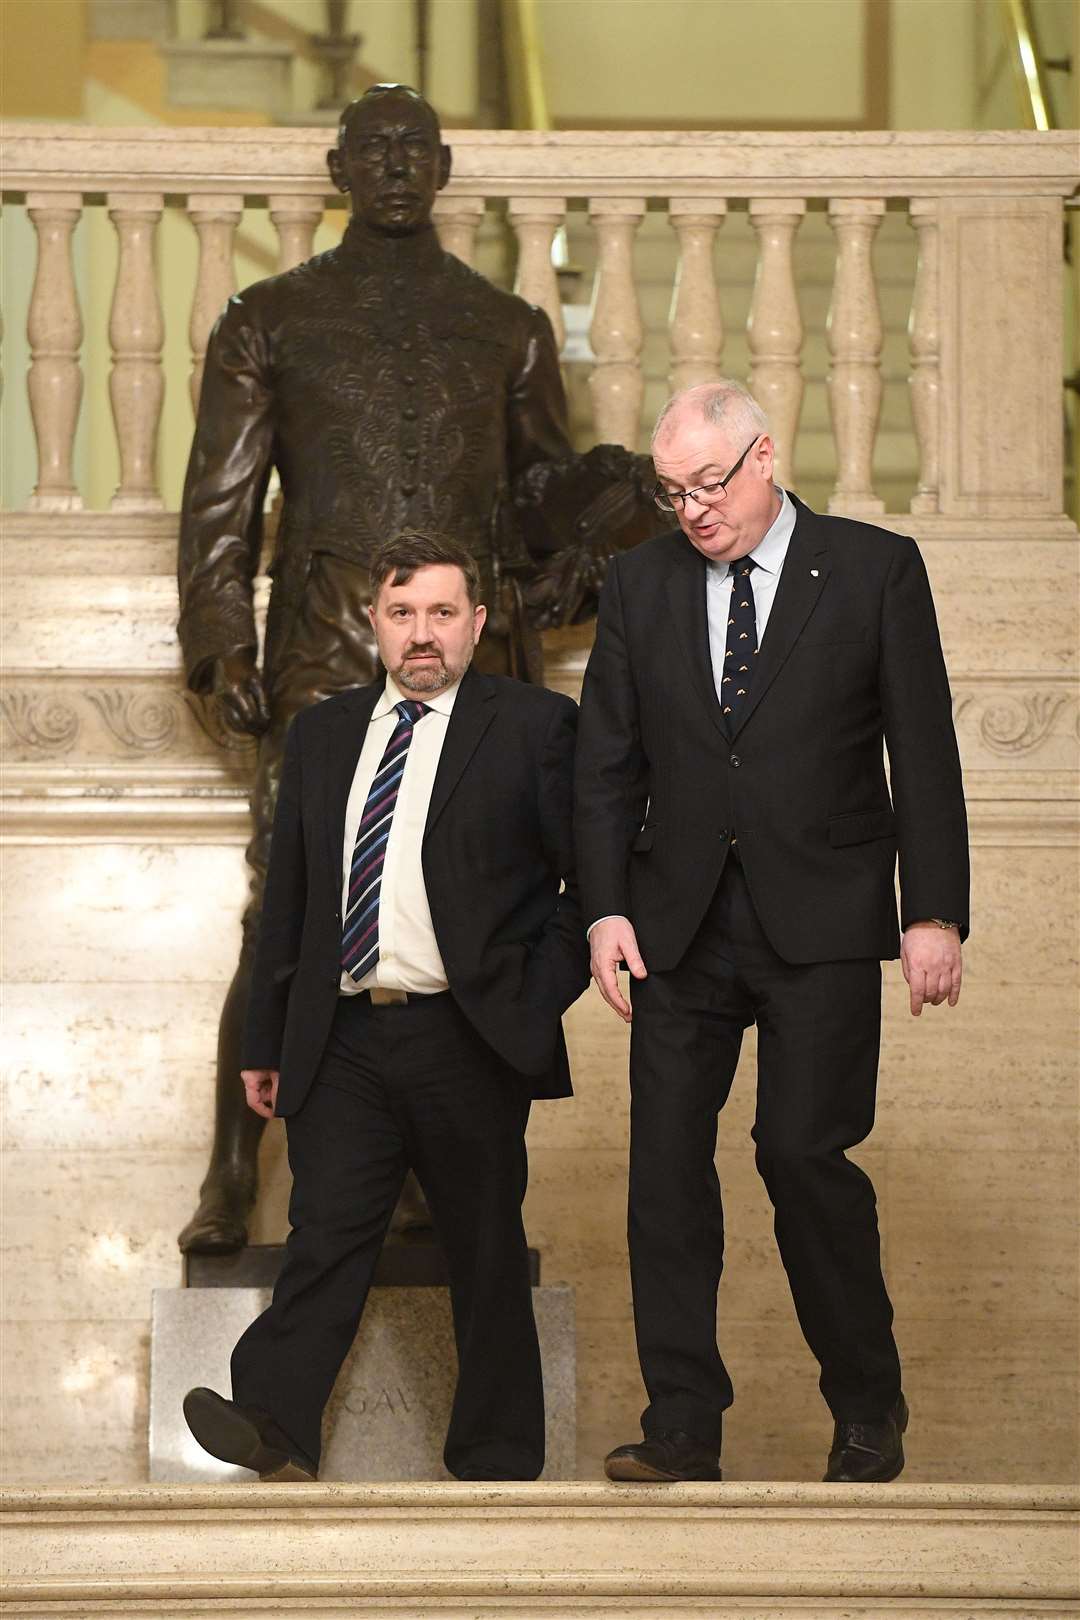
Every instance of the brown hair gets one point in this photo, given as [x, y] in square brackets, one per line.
[401, 556]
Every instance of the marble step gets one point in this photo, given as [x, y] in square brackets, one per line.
[552, 1550]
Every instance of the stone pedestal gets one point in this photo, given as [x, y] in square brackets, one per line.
[388, 1414]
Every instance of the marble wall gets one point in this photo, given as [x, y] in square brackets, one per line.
[123, 877]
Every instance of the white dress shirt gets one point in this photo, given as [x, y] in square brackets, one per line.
[409, 956]
[769, 555]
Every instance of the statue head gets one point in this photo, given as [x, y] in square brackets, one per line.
[390, 158]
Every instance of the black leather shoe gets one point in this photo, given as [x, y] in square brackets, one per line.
[662, 1458]
[241, 1435]
[866, 1453]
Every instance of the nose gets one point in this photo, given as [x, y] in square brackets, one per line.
[699, 505]
[395, 158]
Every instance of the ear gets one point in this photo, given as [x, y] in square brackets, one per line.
[764, 456]
[335, 165]
[445, 162]
[371, 614]
[479, 621]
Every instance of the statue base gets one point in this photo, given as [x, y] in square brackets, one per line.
[403, 1263]
[387, 1417]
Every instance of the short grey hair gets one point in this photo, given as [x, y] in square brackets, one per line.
[724, 404]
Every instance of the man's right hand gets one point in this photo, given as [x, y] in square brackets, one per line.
[613, 941]
[260, 1090]
[236, 683]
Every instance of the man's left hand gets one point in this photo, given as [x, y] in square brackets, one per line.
[930, 958]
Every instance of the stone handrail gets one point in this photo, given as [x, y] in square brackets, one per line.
[985, 326]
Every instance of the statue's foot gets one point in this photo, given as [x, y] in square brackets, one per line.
[219, 1225]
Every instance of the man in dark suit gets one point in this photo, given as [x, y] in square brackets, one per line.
[736, 847]
[415, 956]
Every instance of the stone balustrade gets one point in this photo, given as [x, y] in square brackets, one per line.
[987, 300]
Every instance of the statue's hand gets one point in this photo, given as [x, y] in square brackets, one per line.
[239, 688]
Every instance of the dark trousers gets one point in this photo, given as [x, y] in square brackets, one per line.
[400, 1087]
[818, 1032]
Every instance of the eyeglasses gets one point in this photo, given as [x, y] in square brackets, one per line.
[673, 500]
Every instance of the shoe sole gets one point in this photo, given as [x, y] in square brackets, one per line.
[626, 1471]
[233, 1438]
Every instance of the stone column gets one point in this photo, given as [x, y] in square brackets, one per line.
[616, 383]
[854, 338]
[774, 329]
[536, 219]
[456, 220]
[924, 334]
[1000, 269]
[55, 332]
[215, 218]
[136, 333]
[696, 325]
[296, 220]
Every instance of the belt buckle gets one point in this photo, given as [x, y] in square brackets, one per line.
[383, 997]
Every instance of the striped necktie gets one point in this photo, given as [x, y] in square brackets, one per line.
[742, 643]
[360, 930]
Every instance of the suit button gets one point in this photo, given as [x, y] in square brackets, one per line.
[722, 832]
[735, 761]
[409, 413]
[408, 490]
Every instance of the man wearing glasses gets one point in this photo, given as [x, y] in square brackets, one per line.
[736, 848]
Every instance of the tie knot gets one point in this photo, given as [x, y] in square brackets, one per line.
[410, 711]
[742, 566]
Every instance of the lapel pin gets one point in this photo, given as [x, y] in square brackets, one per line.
[813, 573]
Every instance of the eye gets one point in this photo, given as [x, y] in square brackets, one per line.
[711, 489]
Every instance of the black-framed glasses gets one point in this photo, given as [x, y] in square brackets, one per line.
[672, 500]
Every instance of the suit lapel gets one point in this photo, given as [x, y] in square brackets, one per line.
[473, 711]
[806, 568]
[685, 588]
[342, 743]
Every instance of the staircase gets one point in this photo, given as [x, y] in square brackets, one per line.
[544, 1550]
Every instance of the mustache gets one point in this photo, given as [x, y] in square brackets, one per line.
[418, 648]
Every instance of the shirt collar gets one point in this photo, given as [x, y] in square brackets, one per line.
[442, 702]
[771, 549]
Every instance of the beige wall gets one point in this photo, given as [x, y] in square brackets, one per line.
[121, 927]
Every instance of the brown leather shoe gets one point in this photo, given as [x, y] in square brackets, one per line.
[241, 1435]
[869, 1453]
[661, 1459]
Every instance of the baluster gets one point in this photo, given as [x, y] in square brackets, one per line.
[55, 331]
[616, 383]
[696, 325]
[215, 218]
[296, 220]
[536, 219]
[854, 337]
[774, 329]
[456, 220]
[924, 331]
[136, 333]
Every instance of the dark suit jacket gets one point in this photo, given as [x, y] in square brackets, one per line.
[497, 845]
[851, 658]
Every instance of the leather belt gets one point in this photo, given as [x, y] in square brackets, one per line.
[381, 996]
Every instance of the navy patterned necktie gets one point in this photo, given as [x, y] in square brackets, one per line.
[360, 930]
[740, 655]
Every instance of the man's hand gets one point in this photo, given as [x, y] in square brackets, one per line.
[236, 683]
[611, 941]
[260, 1090]
[930, 958]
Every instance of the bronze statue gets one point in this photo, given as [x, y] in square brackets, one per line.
[391, 386]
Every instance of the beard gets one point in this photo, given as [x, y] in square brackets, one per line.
[429, 678]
